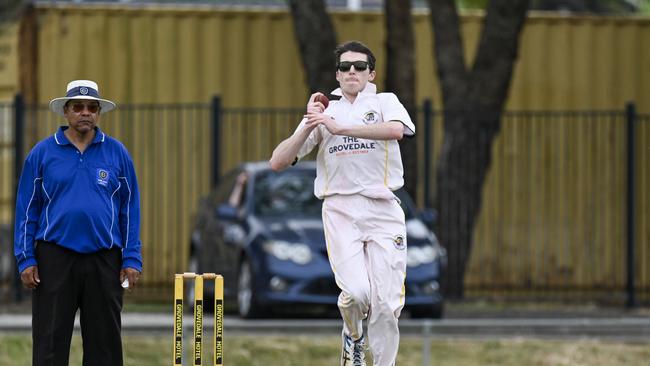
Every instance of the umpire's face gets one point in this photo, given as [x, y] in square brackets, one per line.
[82, 114]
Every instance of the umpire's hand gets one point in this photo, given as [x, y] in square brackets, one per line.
[131, 274]
[30, 278]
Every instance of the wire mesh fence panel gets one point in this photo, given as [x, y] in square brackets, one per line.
[552, 217]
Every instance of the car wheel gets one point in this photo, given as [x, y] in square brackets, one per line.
[432, 312]
[246, 300]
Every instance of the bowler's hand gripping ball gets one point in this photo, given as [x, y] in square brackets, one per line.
[323, 99]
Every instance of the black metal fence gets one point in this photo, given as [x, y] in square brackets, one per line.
[8, 275]
[565, 210]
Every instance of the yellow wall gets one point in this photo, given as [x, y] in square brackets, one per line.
[8, 61]
[168, 55]
[171, 56]
[583, 63]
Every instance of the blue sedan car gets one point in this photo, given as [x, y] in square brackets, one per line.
[262, 230]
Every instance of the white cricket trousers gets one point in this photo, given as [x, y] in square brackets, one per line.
[366, 244]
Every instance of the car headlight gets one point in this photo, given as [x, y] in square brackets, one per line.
[283, 250]
[416, 256]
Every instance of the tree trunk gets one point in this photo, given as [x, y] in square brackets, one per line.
[473, 101]
[317, 40]
[28, 69]
[400, 77]
[28, 55]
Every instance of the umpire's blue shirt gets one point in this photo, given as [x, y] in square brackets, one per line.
[85, 202]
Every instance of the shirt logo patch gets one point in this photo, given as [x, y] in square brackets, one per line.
[370, 117]
[399, 242]
[102, 177]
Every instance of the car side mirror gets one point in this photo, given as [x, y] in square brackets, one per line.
[226, 212]
[429, 216]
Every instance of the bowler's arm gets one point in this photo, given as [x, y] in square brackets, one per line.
[391, 130]
[286, 152]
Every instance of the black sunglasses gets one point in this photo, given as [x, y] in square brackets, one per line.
[358, 65]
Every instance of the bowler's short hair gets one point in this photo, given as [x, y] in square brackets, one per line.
[355, 46]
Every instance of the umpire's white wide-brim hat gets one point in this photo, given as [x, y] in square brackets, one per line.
[81, 89]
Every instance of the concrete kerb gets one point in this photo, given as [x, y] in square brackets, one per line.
[628, 328]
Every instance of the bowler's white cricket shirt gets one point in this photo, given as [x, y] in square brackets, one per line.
[349, 165]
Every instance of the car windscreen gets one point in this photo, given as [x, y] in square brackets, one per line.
[286, 193]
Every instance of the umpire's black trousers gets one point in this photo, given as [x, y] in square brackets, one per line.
[71, 281]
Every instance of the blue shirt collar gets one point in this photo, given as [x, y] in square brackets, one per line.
[60, 138]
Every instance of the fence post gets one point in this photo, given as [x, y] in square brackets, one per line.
[426, 343]
[428, 120]
[631, 203]
[215, 110]
[19, 150]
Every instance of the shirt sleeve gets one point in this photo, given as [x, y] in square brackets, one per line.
[130, 216]
[29, 202]
[393, 110]
[312, 141]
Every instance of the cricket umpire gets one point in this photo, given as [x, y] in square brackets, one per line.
[77, 232]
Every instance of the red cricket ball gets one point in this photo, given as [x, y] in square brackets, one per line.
[323, 99]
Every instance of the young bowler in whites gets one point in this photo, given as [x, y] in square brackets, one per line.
[358, 167]
[77, 233]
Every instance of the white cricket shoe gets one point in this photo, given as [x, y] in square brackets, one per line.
[353, 352]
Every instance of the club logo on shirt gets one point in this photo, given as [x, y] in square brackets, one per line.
[370, 117]
[102, 177]
[399, 242]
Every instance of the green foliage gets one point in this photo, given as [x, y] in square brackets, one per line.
[644, 7]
